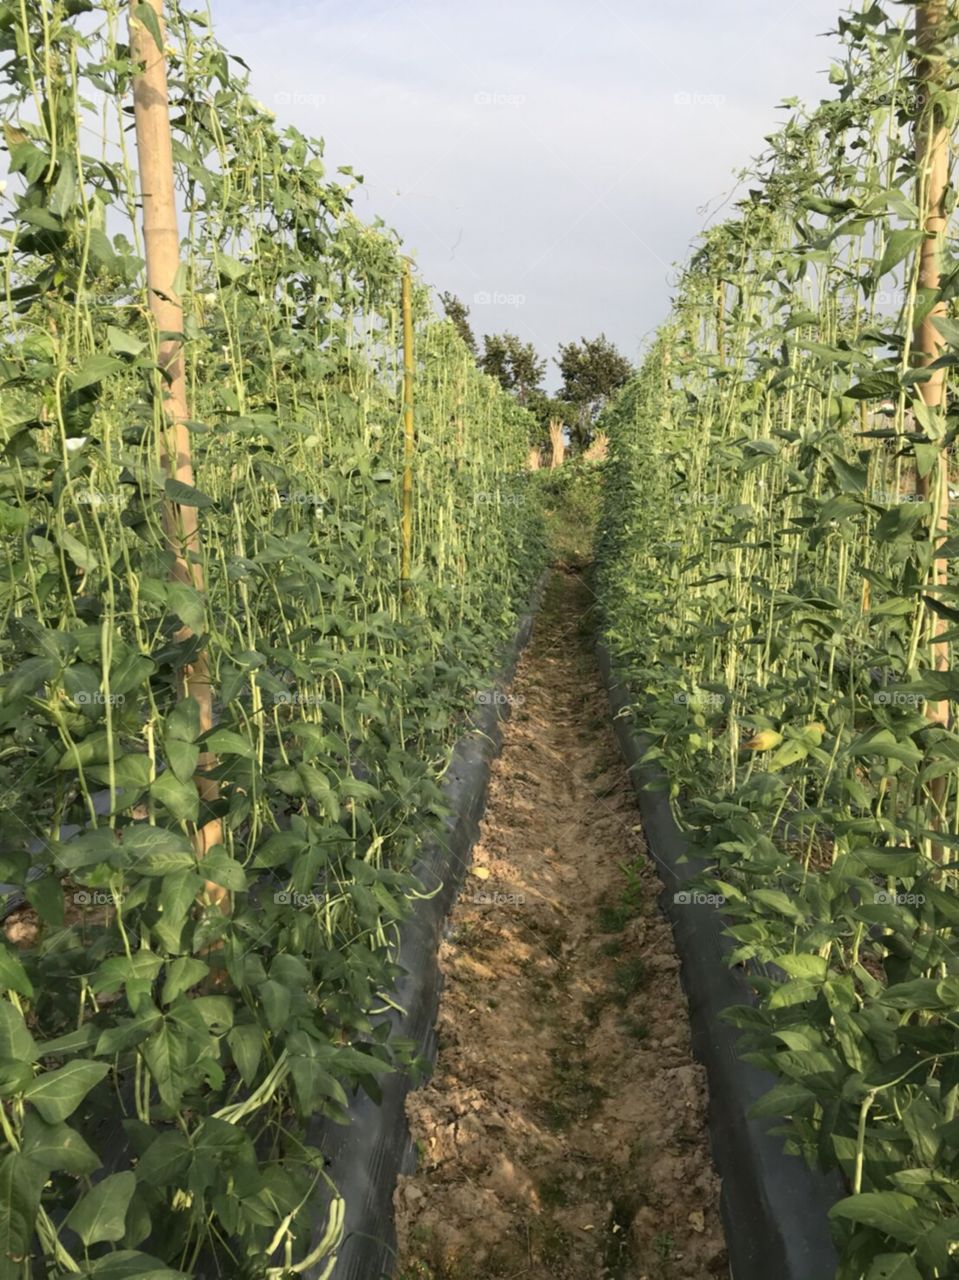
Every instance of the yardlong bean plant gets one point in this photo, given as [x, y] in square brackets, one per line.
[778, 582]
[194, 1013]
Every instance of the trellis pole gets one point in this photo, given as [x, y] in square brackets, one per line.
[161, 238]
[409, 433]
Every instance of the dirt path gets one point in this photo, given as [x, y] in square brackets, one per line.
[562, 1136]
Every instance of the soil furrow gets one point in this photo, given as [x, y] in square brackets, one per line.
[563, 1134]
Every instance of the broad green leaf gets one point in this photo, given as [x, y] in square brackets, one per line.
[21, 1182]
[225, 742]
[180, 799]
[185, 495]
[93, 370]
[16, 1042]
[13, 976]
[121, 340]
[893, 1266]
[100, 1215]
[57, 1094]
[57, 1147]
[891, 1212]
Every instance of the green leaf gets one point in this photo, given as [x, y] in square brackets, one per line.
[899, 244]
[183, 722]
[804, 966]
[13, 976]
[101, 1214]
[778, 902]
[21, 1182]
[165, 1161]
[82, 555]
[121, 340]
[146, 15]
[181, 974]
[180, 799]
[57, 1147]
[156, 851]
[851, 479]
[93, 370]
[219, 867]
[893, 1266]
[225, 742]
[160, 1053]
[181, 757]
[46, 896]
[796, 991]
[276, 1003]
[16, 1042]
[891, 1212]
[117, 971]
[125, 1264]
[246, 1045]
[230, 267]
[187, 603]
[57, 1094]
[184, 495]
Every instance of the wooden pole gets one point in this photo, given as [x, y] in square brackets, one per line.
[162, 249]
[932, 163]
[721, 321]
[932, 166]
[409, 435]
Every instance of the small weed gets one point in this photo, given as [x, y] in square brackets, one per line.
[665, 1246]
[553, 1192]
[614, 919]
[576, 1097]
[617, 1248]
[630, 977]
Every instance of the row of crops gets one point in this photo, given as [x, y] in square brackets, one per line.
[246, 599]
[778, 582]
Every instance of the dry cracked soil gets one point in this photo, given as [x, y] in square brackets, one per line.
[562, 1135]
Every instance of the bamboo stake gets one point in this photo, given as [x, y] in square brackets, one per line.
[409, 436]
[557, 444]
[932, 156]
[162, 251]
[721, 321]
[932, 163]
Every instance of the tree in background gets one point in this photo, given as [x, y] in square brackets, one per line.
[593, 370]
[459, 312]
[514, 364]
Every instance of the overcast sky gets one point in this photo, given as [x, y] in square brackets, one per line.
[547, 162]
